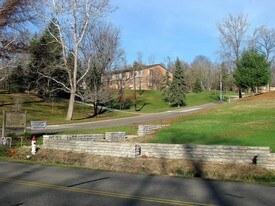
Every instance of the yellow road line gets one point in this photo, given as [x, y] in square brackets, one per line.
[102, 193]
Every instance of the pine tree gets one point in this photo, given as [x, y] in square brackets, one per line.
[252, 70]
[16, 80]
[197, 86]
[46, 54]
[177, 88]
[165, 86]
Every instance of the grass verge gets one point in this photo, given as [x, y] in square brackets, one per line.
[150, 166]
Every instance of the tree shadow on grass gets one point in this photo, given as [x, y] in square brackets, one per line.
[84, 118]
[177, 136]
[139, 109]
[90, 116]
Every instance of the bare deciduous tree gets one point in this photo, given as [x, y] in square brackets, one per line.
[233, 31]
[151, 59]
[157, 79]
[205, 72]
[15, 13]
[102, 54]
[73, 19]
[14, 18]
[264, 40]
[232, 34]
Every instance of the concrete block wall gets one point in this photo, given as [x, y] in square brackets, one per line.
[78, 137]
[210, 153]
[91, 147]
[148, 129]
[267, 161]
[113, 136]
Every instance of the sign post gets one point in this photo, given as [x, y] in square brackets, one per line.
[14, 120]
[3, 124]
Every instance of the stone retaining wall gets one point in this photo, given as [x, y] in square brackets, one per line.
[113, 136]
[211, 153]
[91, 147]
[79, 137]
[148, 129]
[109, 136]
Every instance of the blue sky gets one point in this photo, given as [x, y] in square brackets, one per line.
[181, 28]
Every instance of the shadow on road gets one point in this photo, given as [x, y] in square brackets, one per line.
[198, 172]
[82, 183]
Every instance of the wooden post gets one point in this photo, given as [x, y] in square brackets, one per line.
[25, 123]
[3, 124]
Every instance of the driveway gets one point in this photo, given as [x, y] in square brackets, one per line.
[129, 120]
[141, 119]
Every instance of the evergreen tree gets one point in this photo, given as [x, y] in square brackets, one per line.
[197, 86]
[177, 88]
[252, 70]
[17, 80]
[166, 85]
[46, 55]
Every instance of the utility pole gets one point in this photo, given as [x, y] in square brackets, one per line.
[134, 81]
[221, 98]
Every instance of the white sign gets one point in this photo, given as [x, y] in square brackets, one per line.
[38, 125]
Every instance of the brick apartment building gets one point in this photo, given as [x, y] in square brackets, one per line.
[145, 78]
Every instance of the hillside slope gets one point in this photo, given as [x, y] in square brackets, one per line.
[247, 122]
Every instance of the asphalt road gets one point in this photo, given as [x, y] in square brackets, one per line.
[129, 120]
[26, 184]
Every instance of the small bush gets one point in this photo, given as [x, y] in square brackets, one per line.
[126, 104]
[3, 151]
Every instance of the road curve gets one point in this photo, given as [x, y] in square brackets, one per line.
[129, 120]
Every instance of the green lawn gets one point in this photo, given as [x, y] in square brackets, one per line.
[53, 112]
[247, 122]
[153, 101]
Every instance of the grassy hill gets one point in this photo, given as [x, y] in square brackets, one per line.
[53, 112]
[153, 101]
[246, 122]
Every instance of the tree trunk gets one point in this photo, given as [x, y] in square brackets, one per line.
[71, 106]
[240, 92]
[95, 110]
